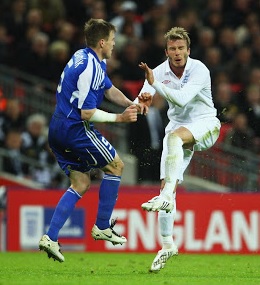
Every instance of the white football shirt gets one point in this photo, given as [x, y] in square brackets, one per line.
[189, 97]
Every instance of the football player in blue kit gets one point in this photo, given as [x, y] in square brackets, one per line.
[77, 145]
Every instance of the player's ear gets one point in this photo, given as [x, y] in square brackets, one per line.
[101, 43]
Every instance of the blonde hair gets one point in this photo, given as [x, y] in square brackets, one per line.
[177, 33]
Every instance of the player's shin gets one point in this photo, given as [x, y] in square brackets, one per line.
[166, 222]
[62, 212]
[107, 199]
[173, 164]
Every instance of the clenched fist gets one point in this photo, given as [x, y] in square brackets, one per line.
[129, 115]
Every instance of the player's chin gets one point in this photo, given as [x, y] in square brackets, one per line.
[109, 55]
[180, 63]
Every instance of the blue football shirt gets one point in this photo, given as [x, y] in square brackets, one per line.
[82, 84]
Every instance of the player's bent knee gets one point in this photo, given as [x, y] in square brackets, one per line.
[185, 135]
[173, 138]
[115, 167]
[80, 182]
[81, 189]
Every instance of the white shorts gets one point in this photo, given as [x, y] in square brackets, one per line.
[205, 133]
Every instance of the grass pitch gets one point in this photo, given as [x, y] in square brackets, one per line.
[35, 268]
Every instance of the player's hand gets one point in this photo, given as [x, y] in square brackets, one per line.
[148, 72]
[145, 98]
[142, 108]
[144, 102]
[129, 114]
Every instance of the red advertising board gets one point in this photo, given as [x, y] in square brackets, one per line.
[205, 223]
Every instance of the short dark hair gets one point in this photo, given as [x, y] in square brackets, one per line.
[97, 29]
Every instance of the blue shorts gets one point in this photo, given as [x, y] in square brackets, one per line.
[78, 146]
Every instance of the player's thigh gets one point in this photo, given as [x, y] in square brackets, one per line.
[181, 131]
[186, 136]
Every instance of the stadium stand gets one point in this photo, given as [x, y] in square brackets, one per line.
[236, 63]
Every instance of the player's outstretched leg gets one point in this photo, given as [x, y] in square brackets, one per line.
[162, 257]
[52, 248]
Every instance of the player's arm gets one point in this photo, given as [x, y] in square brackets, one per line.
[116, 96]
[100, 116]
[178, 97]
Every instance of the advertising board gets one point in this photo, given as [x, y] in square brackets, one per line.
[204, 223]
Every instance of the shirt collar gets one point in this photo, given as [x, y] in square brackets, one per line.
[187, 66]
[90, 50]
[102, 63]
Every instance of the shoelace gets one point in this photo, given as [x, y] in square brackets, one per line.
[113, 222]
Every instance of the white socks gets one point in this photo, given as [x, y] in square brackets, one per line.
[173, 164]
[167, 242]
[166, 221]
[173, 167]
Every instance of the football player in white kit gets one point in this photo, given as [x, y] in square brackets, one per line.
[193, 126]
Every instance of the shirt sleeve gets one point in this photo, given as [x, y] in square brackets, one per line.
[196, 82]
[147, 88]
[108, 83]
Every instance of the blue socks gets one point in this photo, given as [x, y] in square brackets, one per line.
[107, 199]
[62, 212]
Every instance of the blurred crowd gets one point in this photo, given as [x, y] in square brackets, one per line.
[39, 36]
[27, 154]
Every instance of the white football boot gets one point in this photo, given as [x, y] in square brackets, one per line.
[161, 258]
[158, 203]
[52, 248]
[108, 234]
